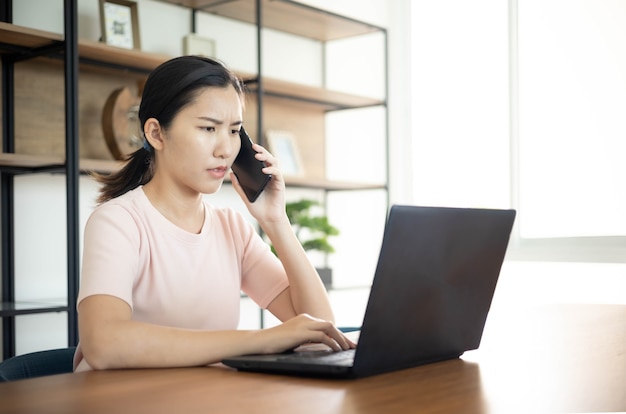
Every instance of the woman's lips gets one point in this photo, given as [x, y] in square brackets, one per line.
[218, 172]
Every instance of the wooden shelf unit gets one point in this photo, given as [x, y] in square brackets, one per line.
[286, 104]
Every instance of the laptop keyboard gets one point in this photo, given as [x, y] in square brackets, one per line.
[345, 358]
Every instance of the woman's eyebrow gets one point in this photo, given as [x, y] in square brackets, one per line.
[208, 118]
[217, 121]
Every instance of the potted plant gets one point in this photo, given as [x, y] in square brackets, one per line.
[312, 231]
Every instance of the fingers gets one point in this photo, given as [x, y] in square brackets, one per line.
[325, 332]
[260, 149]
[341, 340]
[304, 330]
[263, 154]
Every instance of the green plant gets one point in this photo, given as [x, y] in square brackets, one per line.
[312, 231]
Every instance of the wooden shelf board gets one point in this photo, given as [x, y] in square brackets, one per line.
[30, 162]
[26, 162]
[326, 98]
[136, 59]
[26, 37]
[20, 36]
[286, 16]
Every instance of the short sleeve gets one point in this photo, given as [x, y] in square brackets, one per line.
[263, 276]
[110, 254]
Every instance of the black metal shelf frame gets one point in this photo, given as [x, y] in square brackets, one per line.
[31, 307]
[69, 50]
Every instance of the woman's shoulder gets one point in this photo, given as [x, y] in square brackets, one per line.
[126, 205]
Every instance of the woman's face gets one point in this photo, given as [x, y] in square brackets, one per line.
[203, 140]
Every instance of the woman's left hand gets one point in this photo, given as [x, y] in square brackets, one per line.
[270, 205]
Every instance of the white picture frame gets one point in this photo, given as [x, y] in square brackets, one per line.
[283, 146]
[119, 23]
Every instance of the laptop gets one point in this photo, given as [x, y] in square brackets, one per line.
[432, 289]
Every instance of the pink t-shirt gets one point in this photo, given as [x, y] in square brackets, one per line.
[171, 277]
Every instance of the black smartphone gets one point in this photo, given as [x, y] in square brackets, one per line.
[248, 169]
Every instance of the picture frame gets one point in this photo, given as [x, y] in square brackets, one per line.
[194, 44]
[283, 146]
[119, 23]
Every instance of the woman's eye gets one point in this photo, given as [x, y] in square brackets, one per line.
[209, 128]
[235, 132]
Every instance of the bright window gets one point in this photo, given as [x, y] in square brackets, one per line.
[572, 117]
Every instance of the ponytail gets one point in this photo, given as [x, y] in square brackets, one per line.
[138, 170]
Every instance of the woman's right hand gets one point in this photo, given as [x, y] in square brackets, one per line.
[303, 329]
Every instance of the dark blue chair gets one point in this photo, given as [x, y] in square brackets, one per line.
[38, 364]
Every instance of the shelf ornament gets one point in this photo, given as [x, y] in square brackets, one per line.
[120, 123]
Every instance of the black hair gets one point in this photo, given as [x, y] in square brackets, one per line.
[169, 88]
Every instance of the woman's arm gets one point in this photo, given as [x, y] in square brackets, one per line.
[306, 293]
[111, 339]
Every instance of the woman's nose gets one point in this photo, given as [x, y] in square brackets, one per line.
[225, 146]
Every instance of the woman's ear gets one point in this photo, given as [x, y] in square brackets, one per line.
[154, 133]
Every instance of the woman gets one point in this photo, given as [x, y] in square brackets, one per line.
[163, 270]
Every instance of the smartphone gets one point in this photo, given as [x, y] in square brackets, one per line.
[248, 169]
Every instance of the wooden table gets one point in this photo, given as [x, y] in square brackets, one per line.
[565, 358]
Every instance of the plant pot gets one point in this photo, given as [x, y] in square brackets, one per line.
[326, 274]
